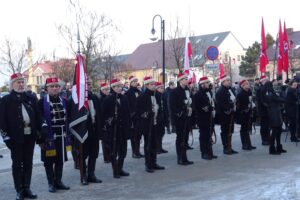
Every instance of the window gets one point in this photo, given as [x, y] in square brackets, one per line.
[215, 39]
[39, 80]
[198, 57]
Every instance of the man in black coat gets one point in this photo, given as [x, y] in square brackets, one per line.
[161, 116]
[104, 92]
[91, 144]
[244, 111]
[263, 112]
[57, 140]
[204, 108]
[292, 109]
[132, 94]
[147, 111]
[273, 102]
[116, 123]
[20, 122]
[225, 104]
[181, 110]
[166, 96]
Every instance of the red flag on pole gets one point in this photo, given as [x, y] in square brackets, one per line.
[280, 51]
[263, 61]
[79, 91]
[285, 50]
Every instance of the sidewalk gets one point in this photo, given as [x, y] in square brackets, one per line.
[247, 175]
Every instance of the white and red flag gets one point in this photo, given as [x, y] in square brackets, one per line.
[187, 57]
[79, 107]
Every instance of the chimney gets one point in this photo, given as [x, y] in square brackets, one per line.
[289, 30]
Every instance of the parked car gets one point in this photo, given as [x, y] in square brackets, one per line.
[2, 94]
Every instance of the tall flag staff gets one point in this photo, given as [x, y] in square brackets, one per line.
[79, 111]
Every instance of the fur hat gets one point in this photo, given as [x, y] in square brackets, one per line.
[115, 82]
[148, 79]
[204, 79]
[181, 76]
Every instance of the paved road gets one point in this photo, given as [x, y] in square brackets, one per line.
[247, 175]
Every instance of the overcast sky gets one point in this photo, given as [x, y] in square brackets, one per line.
[38, 19]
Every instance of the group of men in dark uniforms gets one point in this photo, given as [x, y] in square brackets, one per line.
[116, 116]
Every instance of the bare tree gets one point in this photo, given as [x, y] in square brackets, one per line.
[64, 69]
[175, 48]
[95, 31]
[12, 57]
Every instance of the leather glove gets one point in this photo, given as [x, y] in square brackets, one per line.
[42, 146]
[8, 144]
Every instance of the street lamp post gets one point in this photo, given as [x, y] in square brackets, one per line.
[162, 26]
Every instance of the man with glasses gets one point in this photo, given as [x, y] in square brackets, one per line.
[181, 110]
[57, 140]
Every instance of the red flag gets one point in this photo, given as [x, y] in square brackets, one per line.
[263, 61]
[280, 51]
[285, 50]
[222, 70]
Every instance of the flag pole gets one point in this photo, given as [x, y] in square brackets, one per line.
[80, 145]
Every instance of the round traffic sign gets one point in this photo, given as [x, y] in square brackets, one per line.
[212, 53]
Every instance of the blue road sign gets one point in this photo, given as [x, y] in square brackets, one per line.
[212, 53]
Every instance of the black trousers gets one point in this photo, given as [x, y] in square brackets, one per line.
[135, 141]
[181, 132]
[227, 127]
[245, 131]
[292, 126]
[275, 136]
[150, 147]
[160, 132]
[90, 149]
[204, 139]
[117, 149]
[264, 128]
[22, 156]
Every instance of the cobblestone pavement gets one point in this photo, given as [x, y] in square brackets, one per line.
[247, 175]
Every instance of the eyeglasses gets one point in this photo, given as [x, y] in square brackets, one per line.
[54, 86]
